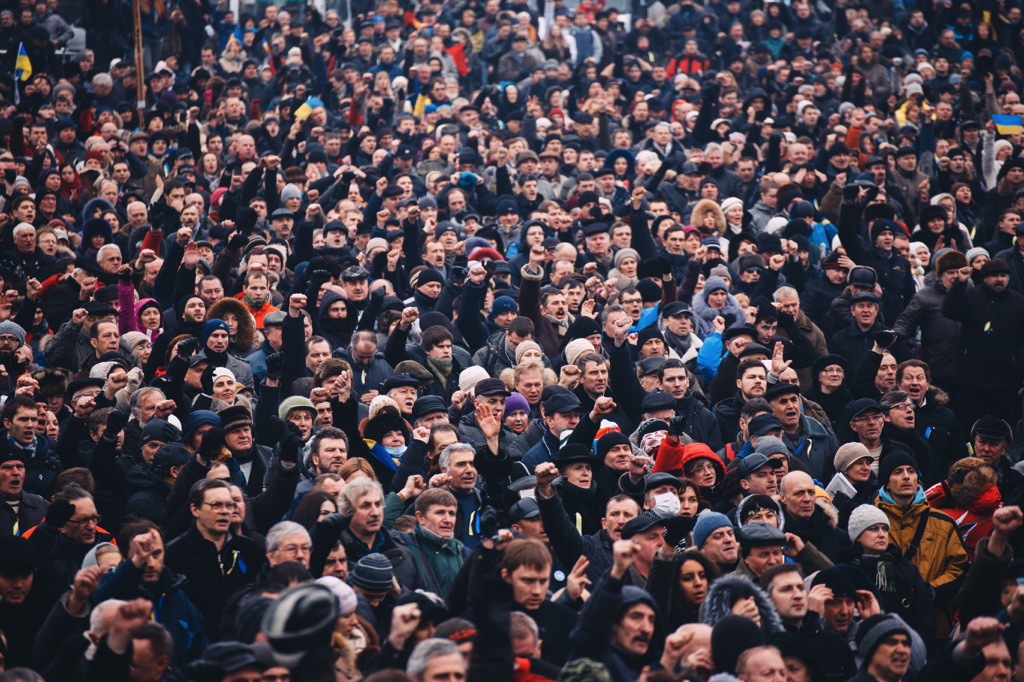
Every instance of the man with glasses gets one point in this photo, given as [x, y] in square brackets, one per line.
[74, 517]
[288, 541]
[216, 562]
[142, 573]
[900, 431]
[15, 356]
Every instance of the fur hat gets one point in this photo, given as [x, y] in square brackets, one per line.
[968, 478]
[951, 260]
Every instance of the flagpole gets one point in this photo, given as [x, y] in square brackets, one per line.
[140, 66]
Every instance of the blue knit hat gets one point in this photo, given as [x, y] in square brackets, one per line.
[707, 523]
[210, 327]
[196, 419]
[503, 304]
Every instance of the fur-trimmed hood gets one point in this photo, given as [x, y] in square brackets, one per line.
[705, 207]
[726, 591]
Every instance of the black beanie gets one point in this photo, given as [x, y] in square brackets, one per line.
[730, 637]
[890, 462]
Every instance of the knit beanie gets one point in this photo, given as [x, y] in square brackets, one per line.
[372, 573]
[863, 517]
[712, 285]
[849, 453]
[707, 523]
[874, 630]
[890, 462]
[132, 339]
[290, 192]
[975, 252]
[525, 346]
[623, 254]
[469, 377]
[14, 329]
[584, 670]
[576, 349]
[609, 441]
[210, 327]
[729, 202]
[501, 305]
[347, 600]
[730, 637]
[516, 403]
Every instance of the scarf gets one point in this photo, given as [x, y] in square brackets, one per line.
[255, 305]
[442, 368]
[434, 537]
[510, 355]
[216, 359]
[29, 450]
[562, 325]
[680, 344]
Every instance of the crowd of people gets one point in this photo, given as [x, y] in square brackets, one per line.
[498, 340]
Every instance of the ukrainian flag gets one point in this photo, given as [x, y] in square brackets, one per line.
[22, 67]
[1008, 125]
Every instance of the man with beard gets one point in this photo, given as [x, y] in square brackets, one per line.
[15, 356]
[807, 439]
[989, 373]
[215, 339]
[187, 318]
[143, 573]
[751, 382]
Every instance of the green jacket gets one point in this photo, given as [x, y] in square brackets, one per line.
[437, 564]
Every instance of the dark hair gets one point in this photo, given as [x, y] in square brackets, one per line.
[753, 407]
[439, 428]
[159, 638]
[326, 432]
[913, 362]
[71, 493]
[79, 476]
[746, 364]
[307, 513]
[671, 363]
[98, 418]
[522, 327]
[197, 494]
[17, 402]
[526, 552]
[432, 336]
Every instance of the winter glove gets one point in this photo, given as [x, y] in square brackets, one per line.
[677, 426]
[238, 242]
[275, 365]
[490, 522]
[116, 421]
[213, 441]
[59, 513]
[245, 221]
[457, 276]
[886, 337]
[291, 442]
[188, 347]
[677, 528]
[206, 380]
[377, 295]
[850, 193]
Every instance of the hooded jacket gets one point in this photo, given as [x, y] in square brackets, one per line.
[941, 558]
[992, 333]
[338, 332]
[726, 591]
[147, 493]
[593, 635]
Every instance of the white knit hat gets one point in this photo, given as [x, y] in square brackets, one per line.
[863, 517]
[576, 349]
[469, 377]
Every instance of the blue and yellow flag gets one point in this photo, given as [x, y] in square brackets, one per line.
[1008, 125]
[22, 67]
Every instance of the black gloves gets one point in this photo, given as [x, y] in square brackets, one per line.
[238, 242]
[490, 522]
[291, 442]
[59, 513]
[319, 277]
[378, 294]
[457, 276]
[677, 528]
[850, 193]
[116, 421]
[213, 441]
[206, 380]
[275, 365]
[676, 426]
[886, 337]
[245, 221]
[188, 347]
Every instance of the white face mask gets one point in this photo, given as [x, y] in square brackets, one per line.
[396, 451]
[667, 503]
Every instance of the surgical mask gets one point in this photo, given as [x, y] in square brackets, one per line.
[666, 503]
[396, 451]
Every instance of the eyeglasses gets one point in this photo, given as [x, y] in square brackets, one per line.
[902, 406]
[702, 467]
[221, 506]
[752, 271]
[86, 520]
[8, 338]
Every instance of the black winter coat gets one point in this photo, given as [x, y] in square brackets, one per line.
[992, 331]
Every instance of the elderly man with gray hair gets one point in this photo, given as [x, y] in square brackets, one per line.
[288, 541]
